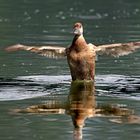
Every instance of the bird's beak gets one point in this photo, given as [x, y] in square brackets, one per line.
[76, 31]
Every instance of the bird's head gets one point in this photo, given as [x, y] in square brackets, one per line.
[78, 28]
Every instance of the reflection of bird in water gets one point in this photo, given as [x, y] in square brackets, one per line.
[80, 55]
[80, 105]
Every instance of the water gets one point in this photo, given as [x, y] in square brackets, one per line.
[28, 79]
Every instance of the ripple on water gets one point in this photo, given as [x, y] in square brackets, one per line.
[25, 87]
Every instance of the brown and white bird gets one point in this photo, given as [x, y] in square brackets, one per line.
[80, 55]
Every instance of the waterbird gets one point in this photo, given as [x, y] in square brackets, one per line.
[80, 55]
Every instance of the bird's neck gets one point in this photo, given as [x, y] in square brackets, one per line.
[79, 41]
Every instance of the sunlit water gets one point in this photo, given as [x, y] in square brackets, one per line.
[27, 79]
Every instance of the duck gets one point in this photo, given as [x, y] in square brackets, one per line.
[80, 55]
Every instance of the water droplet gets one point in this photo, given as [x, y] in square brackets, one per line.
[136, 11]
[25, 13]
[96, 26]
[114, 18]
[63, 17]
[106, 14]
[63, 30]
[45, 31]
[91, 10]
[71, 9]
[36, 11]
[28, 18]
[98, 15]
[5, 20]
[47, 16]
[19, 26]
[61, 12]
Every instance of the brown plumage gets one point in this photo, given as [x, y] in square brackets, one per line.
[80, 55]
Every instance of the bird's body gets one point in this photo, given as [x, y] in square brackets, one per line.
[81, 59]
[80, 55]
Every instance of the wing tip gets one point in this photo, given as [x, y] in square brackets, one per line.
[14, 48]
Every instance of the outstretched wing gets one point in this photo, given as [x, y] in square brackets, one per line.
[48, 51]
[118, 49]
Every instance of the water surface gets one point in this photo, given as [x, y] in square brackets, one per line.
[28, 79]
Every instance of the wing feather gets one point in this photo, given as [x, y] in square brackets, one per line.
[118, 49]
[48, 51]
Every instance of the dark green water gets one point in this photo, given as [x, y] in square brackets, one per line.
[28, 79]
